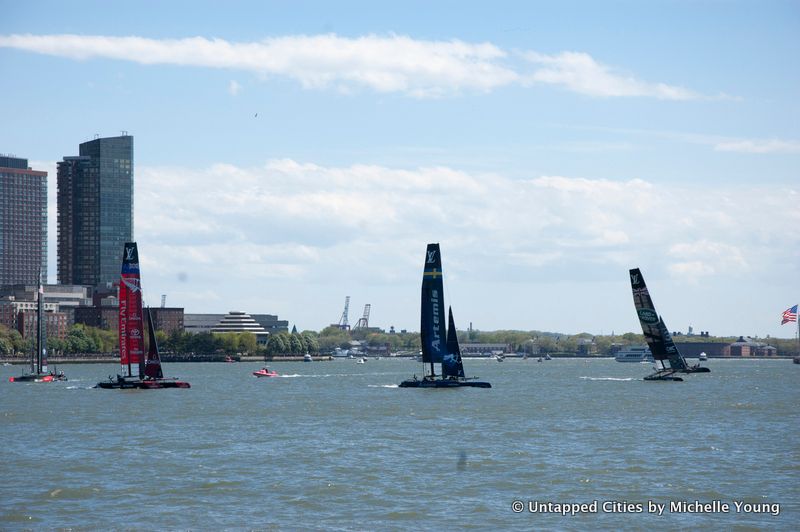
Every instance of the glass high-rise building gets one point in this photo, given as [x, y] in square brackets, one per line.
[23, 222]
[95, 211]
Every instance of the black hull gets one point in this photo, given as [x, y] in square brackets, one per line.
[143, 384]
[696, 369]
[443, 383]
[38, 377]
[657, 377]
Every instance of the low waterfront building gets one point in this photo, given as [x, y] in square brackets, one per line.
[167, 319]
[271, 323]
[712, 349]
[55, 324]
[752, 348]
[200, 323]
[586, 346]
[484, 350]
[238, 322]
[68, 297]
[102, 317]
[19, 304]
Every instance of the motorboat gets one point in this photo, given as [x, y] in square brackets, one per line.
[265, 372]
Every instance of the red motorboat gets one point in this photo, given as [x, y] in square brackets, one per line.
[265, 372]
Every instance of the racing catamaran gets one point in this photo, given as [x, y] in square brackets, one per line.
[439, 345]
[139, 369]
[39, 372]
[668, 359]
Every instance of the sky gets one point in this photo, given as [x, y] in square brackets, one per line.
[290, 154]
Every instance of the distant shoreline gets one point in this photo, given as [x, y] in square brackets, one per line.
[100, 359]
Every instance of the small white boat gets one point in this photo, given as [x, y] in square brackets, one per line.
[361, 360]
[703, 356]
[306, 358]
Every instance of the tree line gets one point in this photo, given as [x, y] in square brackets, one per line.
[91, 340]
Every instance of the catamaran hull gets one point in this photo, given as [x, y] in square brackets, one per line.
[443, 383]
[146, 384]
[696, 369]
[37, 378]
[663, 378]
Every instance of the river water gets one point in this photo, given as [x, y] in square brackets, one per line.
[338, 446]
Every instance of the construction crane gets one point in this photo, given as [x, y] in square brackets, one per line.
[343, 320]
[363, 321]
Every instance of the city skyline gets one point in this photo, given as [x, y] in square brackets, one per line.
[288, 156]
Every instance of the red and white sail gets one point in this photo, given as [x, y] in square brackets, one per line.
[131, 322]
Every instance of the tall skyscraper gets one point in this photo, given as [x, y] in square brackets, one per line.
[95, 211]
[23, 222]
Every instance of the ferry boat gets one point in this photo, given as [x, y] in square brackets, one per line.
[635, 353]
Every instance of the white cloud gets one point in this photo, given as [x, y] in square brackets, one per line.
[759, 146]
[234, 87]
[393, 63]
[580, 73]
[298, 221]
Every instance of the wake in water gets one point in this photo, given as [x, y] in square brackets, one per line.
[608, 379]
[299, 375]
[382, 386]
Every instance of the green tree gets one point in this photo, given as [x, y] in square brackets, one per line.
[6, 347]
[276, 344]
[312, 346]
[296, 346]
[247, 342]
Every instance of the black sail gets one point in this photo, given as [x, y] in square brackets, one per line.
[655, 332]
[432, 325]
[452, 366]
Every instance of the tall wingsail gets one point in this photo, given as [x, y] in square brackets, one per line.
[131, 333]
[432, 326]
[152, 367]
[452, 366]
[653, 327]
[674, 356]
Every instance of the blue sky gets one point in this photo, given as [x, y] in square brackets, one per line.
[289, 154]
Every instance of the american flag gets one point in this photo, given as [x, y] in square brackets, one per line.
[790, 314]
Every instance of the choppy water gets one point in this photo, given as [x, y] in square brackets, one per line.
[336, 445]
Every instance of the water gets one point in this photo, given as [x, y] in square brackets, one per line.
[337, 446]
